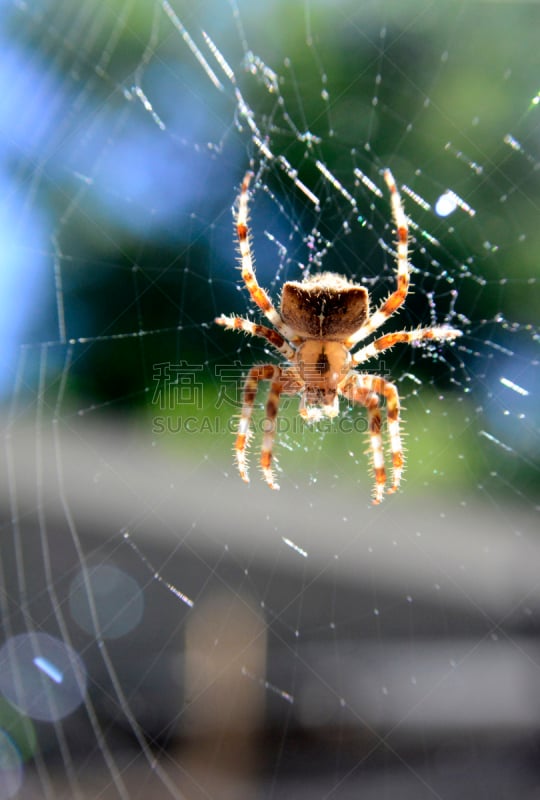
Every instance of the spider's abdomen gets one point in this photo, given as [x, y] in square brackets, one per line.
[324, 306]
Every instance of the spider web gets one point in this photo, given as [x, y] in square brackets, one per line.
[167, 630]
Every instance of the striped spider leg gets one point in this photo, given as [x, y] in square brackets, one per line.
[398, 297]
[282, 381]
[365, 390]
[257, 293]
[372, 350]
[273, 337]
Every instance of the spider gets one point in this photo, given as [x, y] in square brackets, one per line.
[319, 321]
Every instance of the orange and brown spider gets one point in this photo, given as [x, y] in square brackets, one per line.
[319, 321]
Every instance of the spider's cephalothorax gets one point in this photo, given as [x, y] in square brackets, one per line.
[319, 322]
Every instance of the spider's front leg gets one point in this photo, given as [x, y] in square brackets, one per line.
[281, 381]
[272, 408]
[266, 372]
[365, 389]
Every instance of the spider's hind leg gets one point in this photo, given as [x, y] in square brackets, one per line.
[259, 295]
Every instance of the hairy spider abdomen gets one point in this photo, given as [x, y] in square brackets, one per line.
[324, 306]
